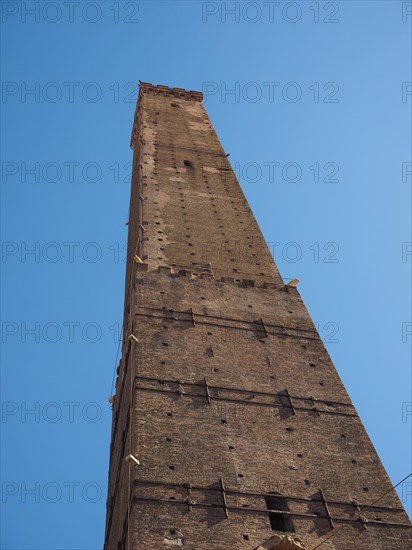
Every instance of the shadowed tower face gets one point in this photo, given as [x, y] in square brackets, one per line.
[225, 394]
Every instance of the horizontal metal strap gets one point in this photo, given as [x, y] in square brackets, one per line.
[208, 395]
[210, 320]
[265, 511]
[236, 492]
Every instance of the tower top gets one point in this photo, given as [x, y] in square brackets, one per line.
[190, 95]
[177, 93]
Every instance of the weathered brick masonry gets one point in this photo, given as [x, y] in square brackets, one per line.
[229, 398]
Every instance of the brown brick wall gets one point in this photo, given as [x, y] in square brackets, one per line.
[230, 380]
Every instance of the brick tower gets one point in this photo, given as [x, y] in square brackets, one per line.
[226, 396]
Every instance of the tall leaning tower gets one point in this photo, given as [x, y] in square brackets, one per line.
[231, 427]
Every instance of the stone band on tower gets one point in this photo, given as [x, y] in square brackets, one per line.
[225, 395]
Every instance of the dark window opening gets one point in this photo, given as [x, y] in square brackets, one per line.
[278, 521]
[188, 163]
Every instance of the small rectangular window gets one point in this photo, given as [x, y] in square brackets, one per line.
[278, 521]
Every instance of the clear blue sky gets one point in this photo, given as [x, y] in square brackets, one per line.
[319, 96]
